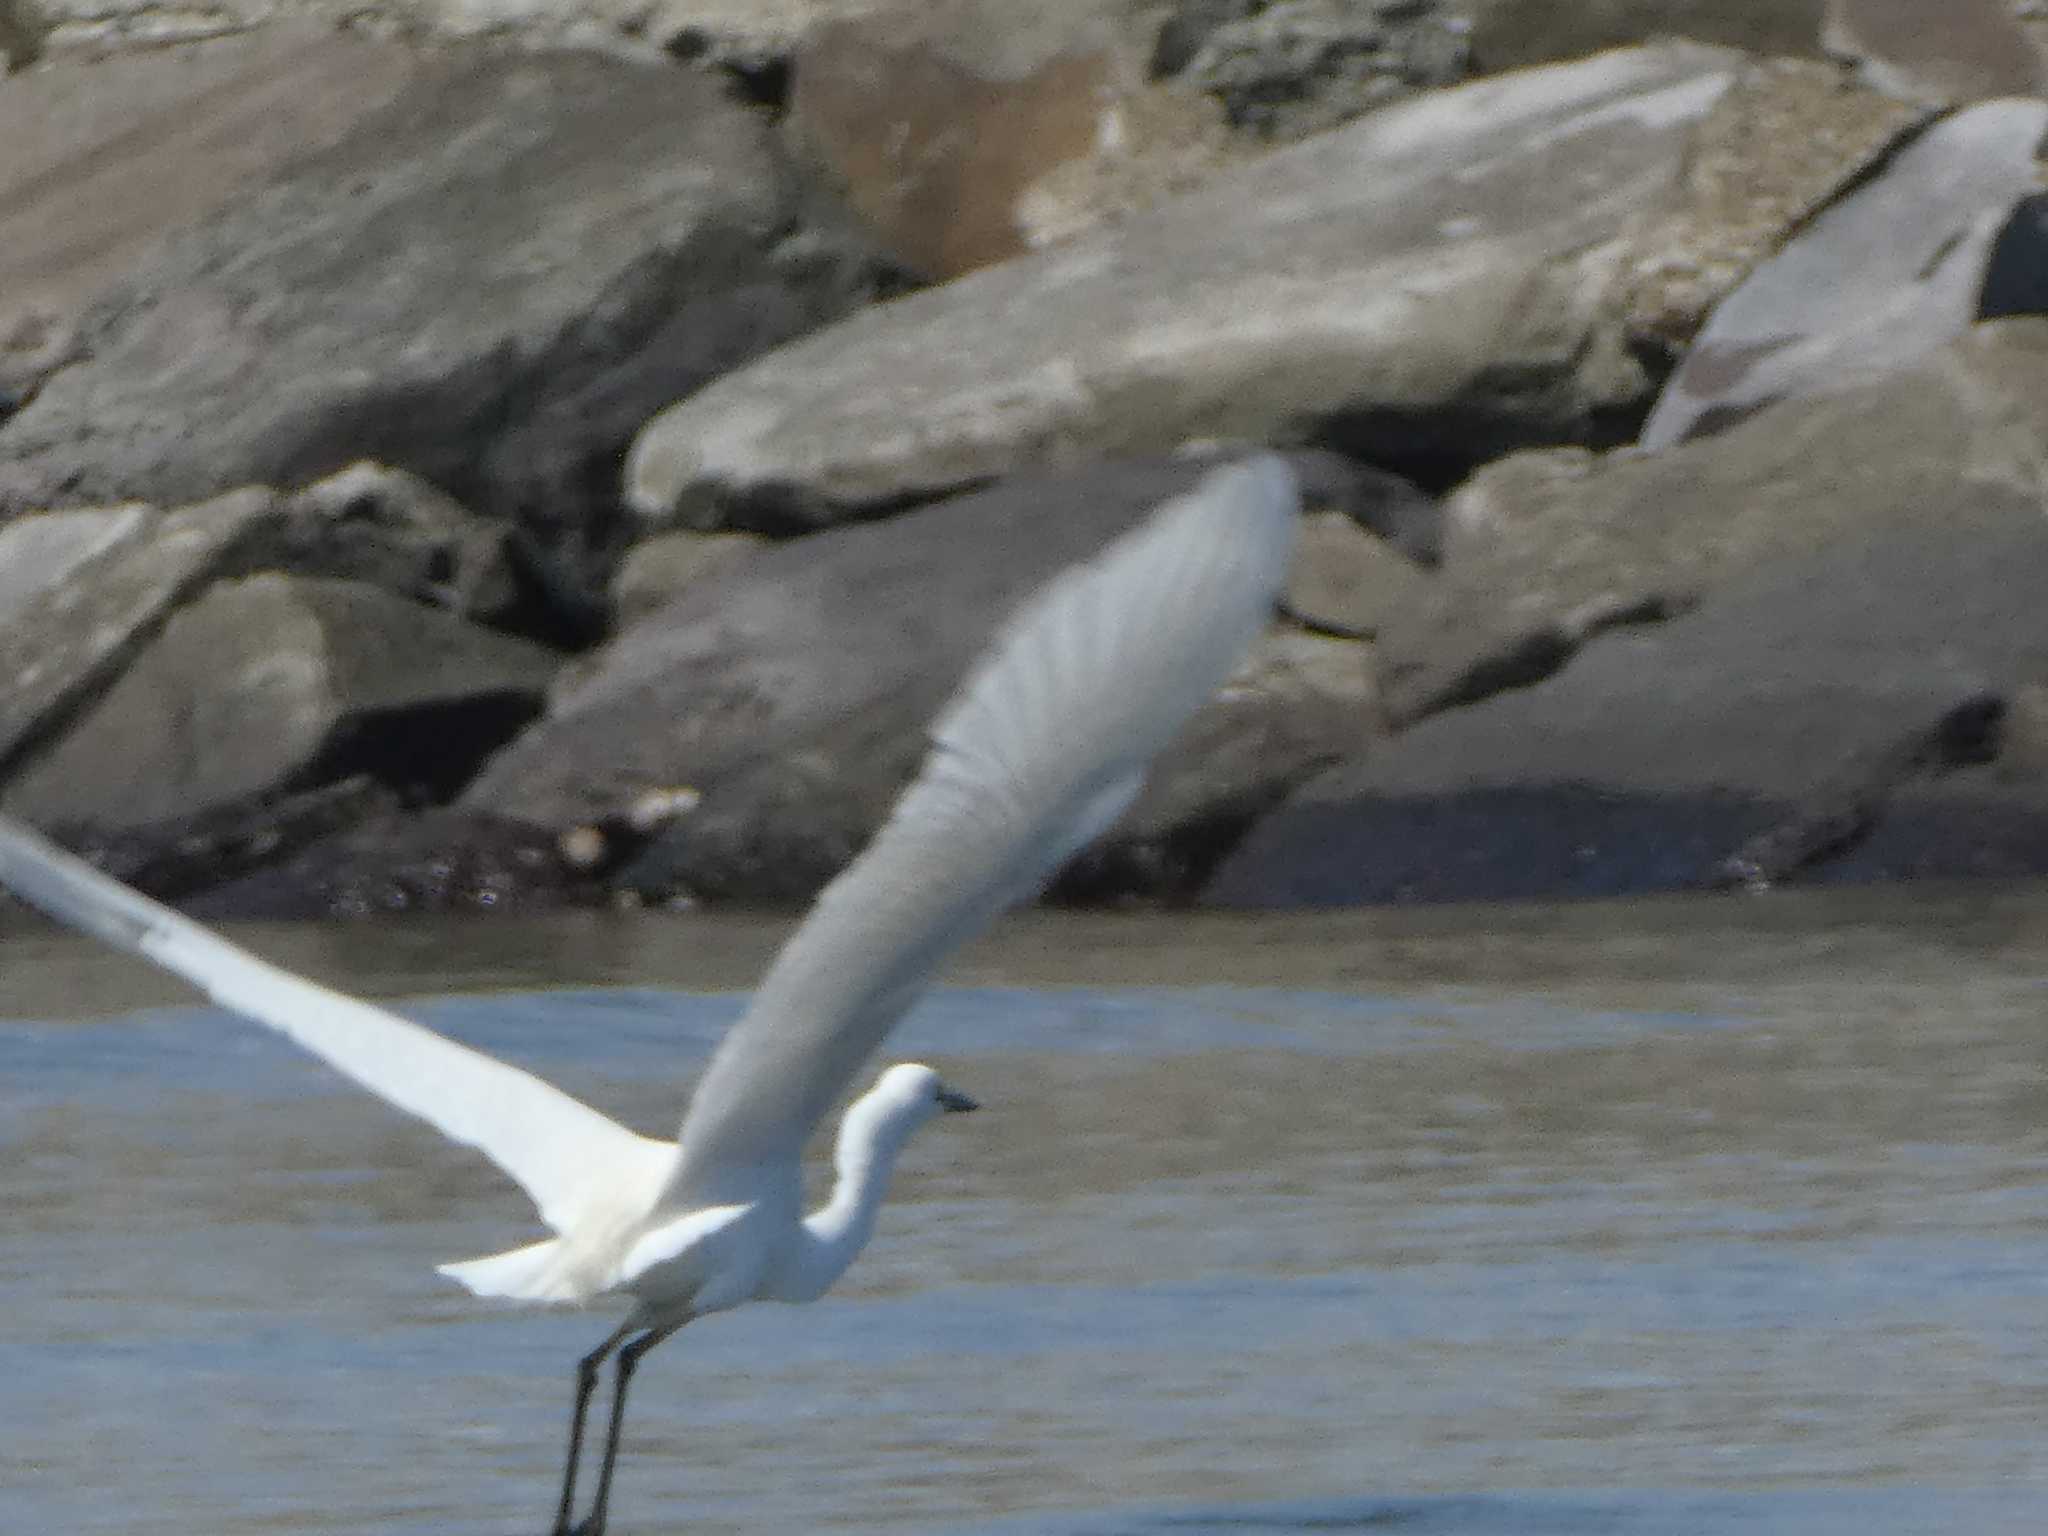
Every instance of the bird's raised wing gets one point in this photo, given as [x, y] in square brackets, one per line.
[560, 1151]
[1041, 749]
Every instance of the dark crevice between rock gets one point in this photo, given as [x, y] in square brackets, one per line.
[785, 510]
[765, 83]
[426, 754]
[760, 81]
[1526, 657]
[553, 602]
[1378, 500]
[1439, 448]
[1840, 816]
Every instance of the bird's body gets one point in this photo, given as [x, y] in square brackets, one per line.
[1040, 751]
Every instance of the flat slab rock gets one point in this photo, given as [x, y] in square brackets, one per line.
[275, 683]
[1892, 272]
[1430, 285]
[105, 156]
[38, 553]
[100, 587]
[490, 282]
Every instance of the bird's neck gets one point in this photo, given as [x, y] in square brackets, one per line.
[834, 1235]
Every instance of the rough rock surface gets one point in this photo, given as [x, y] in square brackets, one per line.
[963, 137]
[1890, 273]
[1345, 580]
[277, 683]
[1447, 292]
[1787, 139]
[392, 530]
[491, 283]
[1288, 68]
[752, 41]
[1961, 50]
[61, 645]
[171, 860]
[104, 157]
[662, 568]
[40, 552]
[22, 33]
[439, 860]
[1514, 34]
[1847, 647]
[753, 38]
[1546, 549]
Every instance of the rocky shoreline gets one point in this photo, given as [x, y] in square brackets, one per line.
[467, 458]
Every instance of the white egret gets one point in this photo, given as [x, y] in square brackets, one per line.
[1039, 751]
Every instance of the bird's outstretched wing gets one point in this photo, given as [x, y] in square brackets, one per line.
[560, 1151]
[1040, 751]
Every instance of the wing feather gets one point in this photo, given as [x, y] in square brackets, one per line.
[1038, 753]
[563, 1153]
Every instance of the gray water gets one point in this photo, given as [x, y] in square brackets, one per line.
[1680, 1216]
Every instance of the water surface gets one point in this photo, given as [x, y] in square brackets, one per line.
[1678, 1216]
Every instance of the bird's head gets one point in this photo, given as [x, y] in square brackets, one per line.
[911, 1088]
[903, 1098]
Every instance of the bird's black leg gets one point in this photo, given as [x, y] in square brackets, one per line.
[629, 1357]
[586, 1383]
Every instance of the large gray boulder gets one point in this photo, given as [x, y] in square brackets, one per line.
[91, 590]
[1866, 572]
[490, 283]
[1426, 287]
[99, 158]
[1893, 271]
[274, 683]
[1960, 51]
[1545, 550]
[793, 687]
[37, 553]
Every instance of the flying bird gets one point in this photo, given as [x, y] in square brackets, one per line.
[1040, 750]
